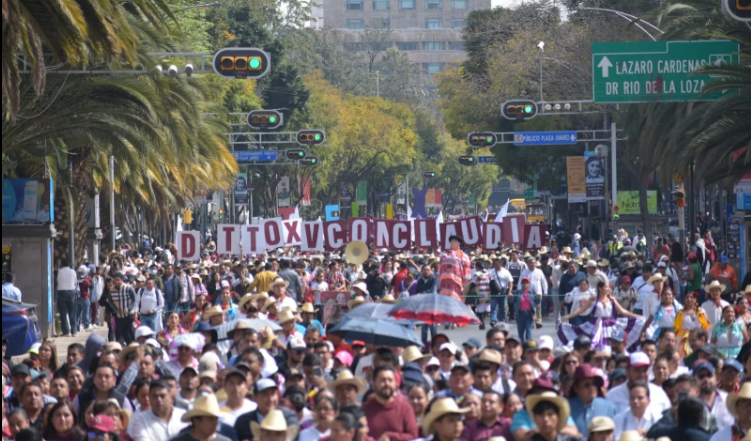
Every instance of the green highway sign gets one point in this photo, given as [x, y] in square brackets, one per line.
[653, 71]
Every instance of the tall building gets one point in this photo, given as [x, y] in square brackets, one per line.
[429, 31]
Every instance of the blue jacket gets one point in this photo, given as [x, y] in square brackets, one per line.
[177, 289]
[582, 415]
[517, 301]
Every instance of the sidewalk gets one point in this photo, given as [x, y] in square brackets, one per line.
[63, 343]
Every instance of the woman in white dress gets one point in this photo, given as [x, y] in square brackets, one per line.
[608, 319]
[578, 297]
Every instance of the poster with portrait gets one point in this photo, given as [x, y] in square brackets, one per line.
[284, 193]
[241, 189]
[334, 306]
[595, 178]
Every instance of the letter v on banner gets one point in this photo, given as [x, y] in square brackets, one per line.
[312, 236]
[188, 245]
[535, 236]
[513, 229]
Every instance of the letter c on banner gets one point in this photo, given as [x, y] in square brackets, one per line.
[400, 234]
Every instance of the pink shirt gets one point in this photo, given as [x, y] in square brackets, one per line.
[526, 302]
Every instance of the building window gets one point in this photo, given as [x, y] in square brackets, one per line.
[355, 24]
[354, 5]
[433, 46]
[406, 4]
[458, 23]
[433, 68]
[456, 46]
[385, 23]
[459, 4]
[380, 5]
[434, 23]
[433, 4]
[407, 45]
[355, 47]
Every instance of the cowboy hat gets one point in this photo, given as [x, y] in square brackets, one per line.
[491, 356]
[388, 298]
[214, 311]
[747, 290]
[630, 435]
[205, 406]
[743, 394]
[603, 262]
[359, 300]
[564, 411]
[195, 277]
[114, 346]
[263, 295]
[362, 287]
[274, 422]
[123, 356]
[543, 250]
[656, 278]
[277, 282]
[413, 354]
[601, 424]
[286, 316]
[308, 308]
[269, 303]
[439, 409]
[244, 301]
[714, 285]
[346, 378]
[567, 250]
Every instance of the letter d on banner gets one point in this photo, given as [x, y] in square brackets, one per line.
[188, 245]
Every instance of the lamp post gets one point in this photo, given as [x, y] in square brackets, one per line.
[626, 16]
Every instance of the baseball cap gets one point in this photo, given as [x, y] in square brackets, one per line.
[344, 358]
[704, 365]
[661, 265]
[735, 364]
[582, 342]
[102, 423]
[297, 344]
[264, 385]
[617, 374]
[708, 349]
[20, 369]
[449, 347]
[238, 373]
[144, 331]
[724, 260]
[472, 343]
[625, 279]
[358, 343]
[546, 342]
[432, 362]
[459, 365]
[525, 279]
[503, 327]
[639, 359]
[530, 345]
[34, 349]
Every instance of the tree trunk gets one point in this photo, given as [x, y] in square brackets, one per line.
[643, 204]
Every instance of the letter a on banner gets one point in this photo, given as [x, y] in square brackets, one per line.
[228, 241]
[359, 229]
[253, 241]
[492, 235]
[335, 234]
[312, 236]
[513, 229]
[535, 235]
[188, 245]
[292, 229]
[471, 231]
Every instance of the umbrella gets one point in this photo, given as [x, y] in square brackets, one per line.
[223, 331]
[376, 332]
[376, 311]
[434, 309]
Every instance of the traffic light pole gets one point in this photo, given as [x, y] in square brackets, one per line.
[613, 163]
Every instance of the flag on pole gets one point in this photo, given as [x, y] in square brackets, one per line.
[296, 214]
[503, 212]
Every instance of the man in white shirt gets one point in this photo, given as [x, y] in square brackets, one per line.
[236, 387]
[163, 422]
[558, 271]
[738, 405]
[714, 399]
[653, 299]
[638, 372]
[149, 301]
[67, 284]
[505, 282]
[595, 276]
[640, 416]
[643, 289]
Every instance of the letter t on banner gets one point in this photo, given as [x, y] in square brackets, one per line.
[188, 245]
[229, 239]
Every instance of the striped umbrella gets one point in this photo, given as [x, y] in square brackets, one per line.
[377, 311]
[434, 309]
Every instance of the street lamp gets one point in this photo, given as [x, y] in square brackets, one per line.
[632, 18]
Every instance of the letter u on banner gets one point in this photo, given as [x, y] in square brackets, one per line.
[471, 231]
[228, 241]
[359, 229]
[312, 236]
[492, 235]
[188, 245]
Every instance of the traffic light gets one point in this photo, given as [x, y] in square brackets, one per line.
[468, 161]
[296, 154]
[680, 196]
[310, 161]
[265, 119]
[187, 217]
[738, 9]
[311, 137]
[616, 212]
[242, 63]
[482, 139]
[221, 214]
[429, 175]
[519, 110]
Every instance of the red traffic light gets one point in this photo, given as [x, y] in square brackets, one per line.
[265, 119]
[311, 137]
[482, 139]
[242, 63]
[519, 110]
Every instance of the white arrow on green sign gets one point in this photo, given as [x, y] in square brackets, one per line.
[652, 71]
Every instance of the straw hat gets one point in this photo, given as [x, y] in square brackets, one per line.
[195, 277]
[308, 308]
[274, 422]
[388, 298]
[214, 311]
[567, 250]
[564, 411]
[346, 378]
[277, 282]
[656, 278]
[630, 435]
[359, 300]
[131, 348]
[286, 316]
[262, 295]
[244, 301]
[439, 409]
[601, 424]
[269, 303]
[747, 290]
[543, 250]
[743, 394]
[491, 356]
[114, 346]
[205, 406]
[715, 285]
[413, 354]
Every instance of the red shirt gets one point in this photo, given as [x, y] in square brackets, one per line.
[526, 302]
[478, 431]
[398, 279]
[395, 419]
[85, 286]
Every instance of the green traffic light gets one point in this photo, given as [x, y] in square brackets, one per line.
[490, 140]
[301, 154]
[272, 119]
[471, 159]
[255, 63]
[528, 109]
[318, 137]
[313, 161]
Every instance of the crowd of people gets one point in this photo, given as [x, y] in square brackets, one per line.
[646, 347]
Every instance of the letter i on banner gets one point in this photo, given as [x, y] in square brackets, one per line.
[188, 245]
[513, 229]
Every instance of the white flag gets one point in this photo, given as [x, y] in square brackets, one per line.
[296, 214]
[503, 212]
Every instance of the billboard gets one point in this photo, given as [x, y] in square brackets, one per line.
[28, 201]
[629, 202]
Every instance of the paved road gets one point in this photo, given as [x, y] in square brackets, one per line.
[461, 335]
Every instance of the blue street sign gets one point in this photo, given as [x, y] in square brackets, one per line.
[486, 159]
[255, 156]
[545, 138]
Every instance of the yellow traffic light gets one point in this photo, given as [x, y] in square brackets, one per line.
[242, 63]
[188, 217]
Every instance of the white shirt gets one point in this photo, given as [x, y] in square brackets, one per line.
[714, 314]
[318, 288]
[503, 278]
[627, 421]
[669, 314]
[149, 300]
[650, 300]
[313, 434]
[232, 415]
[67, 279]
[723, 434]
[720, 410]
[577, 297]
[621, 395]
[284, 339]
[537, 282]
[364, 367]
[642, 290]
[498, 386]
[145, 426]
[288, 303]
